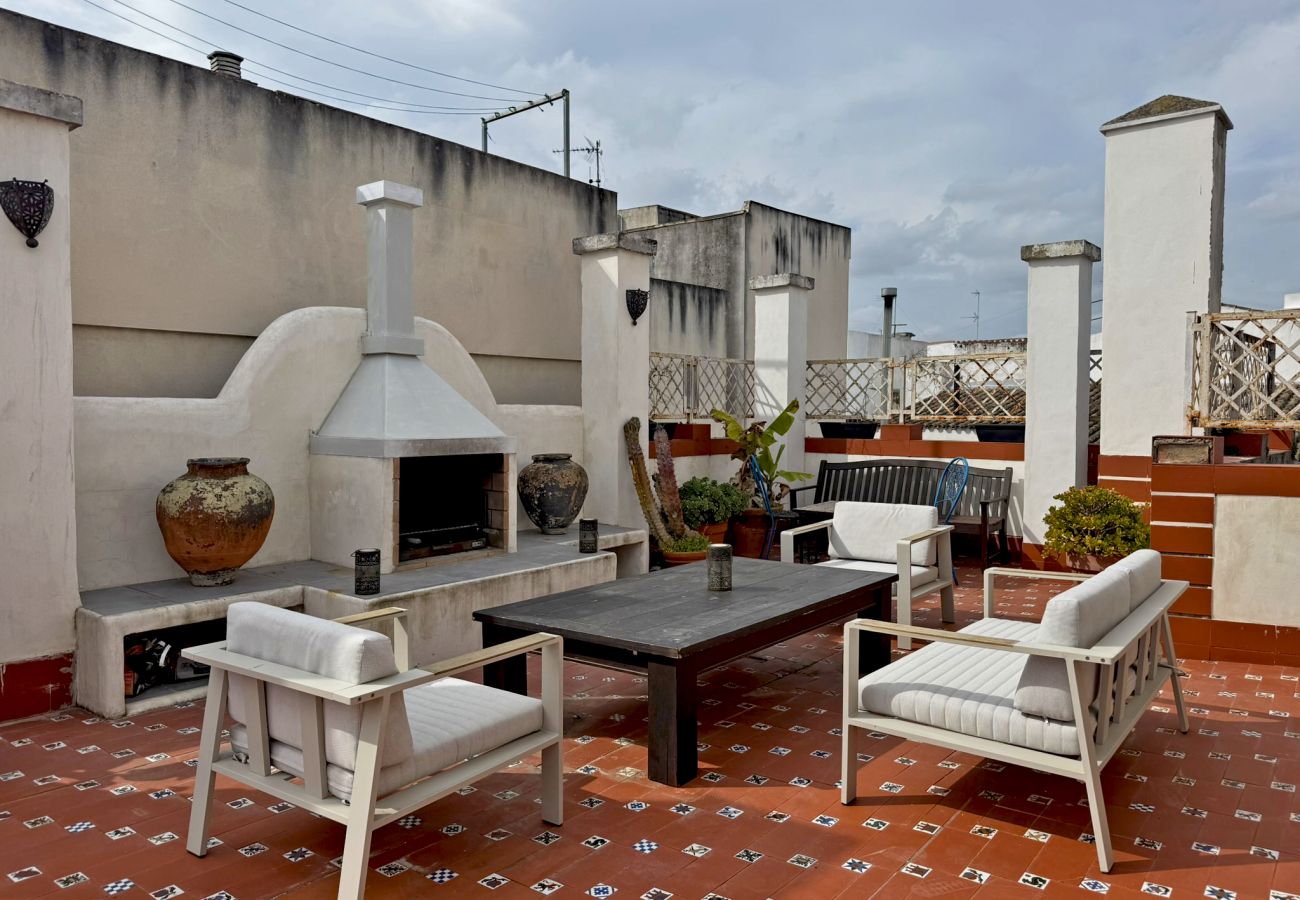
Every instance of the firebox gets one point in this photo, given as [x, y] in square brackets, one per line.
[449, 504]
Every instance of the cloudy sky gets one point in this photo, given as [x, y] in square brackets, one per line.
[946, 134]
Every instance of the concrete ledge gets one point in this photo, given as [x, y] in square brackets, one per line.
[394, 191]
[787, 280]
[36, 101]
[1061, 250]
[402, 344]
[620, 240]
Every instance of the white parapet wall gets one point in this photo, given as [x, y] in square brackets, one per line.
[1254, 559]
[127, 448]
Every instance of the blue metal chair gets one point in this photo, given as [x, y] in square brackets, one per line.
[952, 484]
[767, 506]
[947, 496]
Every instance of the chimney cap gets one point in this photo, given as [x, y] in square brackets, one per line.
[223, 62]
[889, 293]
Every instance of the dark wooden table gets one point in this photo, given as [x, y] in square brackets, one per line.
[670, 627]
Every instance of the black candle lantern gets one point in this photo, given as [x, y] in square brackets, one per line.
[365, 578]
[719, 567]
[637, 300]
[588, 535]
[28, 205]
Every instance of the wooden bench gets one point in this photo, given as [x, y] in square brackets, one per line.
[982, 510]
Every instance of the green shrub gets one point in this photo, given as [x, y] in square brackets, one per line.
[692, 543]
[1095, 521]
[705, 501]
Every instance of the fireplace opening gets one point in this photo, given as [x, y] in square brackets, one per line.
[445, 504]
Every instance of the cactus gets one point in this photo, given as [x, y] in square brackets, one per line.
[669, 499]
[649, 507]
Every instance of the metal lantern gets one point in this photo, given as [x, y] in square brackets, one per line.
[719, 557]
[28, 204]
[365, 580]
[588, 535]
[637, 300]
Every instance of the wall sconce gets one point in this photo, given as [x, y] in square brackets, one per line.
[28, 204]
[637, 300]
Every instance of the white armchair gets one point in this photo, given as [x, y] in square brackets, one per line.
[890, 538]
[333, 719]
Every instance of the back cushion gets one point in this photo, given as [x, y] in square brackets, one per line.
[1078, 617]
[1143, 568]
[341, 652]
[872, 530]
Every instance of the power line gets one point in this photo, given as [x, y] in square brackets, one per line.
[328, 62]
[433, 111]
[390, 59]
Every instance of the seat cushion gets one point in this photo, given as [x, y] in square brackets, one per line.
[1078, 617]
[871, 531]
[969, 690]
[451, 720]
[343, 652]
[920, 574]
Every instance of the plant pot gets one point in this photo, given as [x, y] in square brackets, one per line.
[682, 559]
[552, 489]
[214, 518]
[851, 430]
[716, 532]
[1085, 565]
[748, 531]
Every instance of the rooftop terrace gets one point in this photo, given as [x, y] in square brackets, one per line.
[1210, 813]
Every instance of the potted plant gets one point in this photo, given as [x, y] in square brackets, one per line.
[756, 443]
[663, 513]
[1093, 527]
[708, 505]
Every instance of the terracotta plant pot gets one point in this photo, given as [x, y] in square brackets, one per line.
[552, 489]
[214, 518]
[716, 532]
[681, 559]
[748, 531]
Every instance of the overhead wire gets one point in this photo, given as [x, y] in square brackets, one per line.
[255, 66]
[371, 53]
[322, 59]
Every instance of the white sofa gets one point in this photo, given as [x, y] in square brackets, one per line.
[1059, 695]
[892, 538]
[333, 719]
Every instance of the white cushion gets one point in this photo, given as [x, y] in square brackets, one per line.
[969, 690]
[1143, 568]
[872, 531]
[451, 720]
[342, 652]
[1078, 617]
[920, 574]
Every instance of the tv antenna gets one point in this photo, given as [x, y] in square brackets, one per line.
[592, 150]
[544, 102]
[976, 318]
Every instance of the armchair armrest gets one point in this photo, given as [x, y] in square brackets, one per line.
[479, 658]
[943, 535]
[788, 536]
[794, 493]
[987, 642]
[993, 572]
[375, 615]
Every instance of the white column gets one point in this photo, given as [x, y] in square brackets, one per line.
[1056, 374]
[1164, 258]
[781, 354]
[615, 373]
[39, 596]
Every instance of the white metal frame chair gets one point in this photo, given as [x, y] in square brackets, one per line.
[366, 809]
[908, 587]
[1132, 662]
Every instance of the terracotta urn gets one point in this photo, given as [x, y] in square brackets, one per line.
[552, 489]
[214, 518]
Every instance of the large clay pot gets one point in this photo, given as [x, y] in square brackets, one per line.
[214, 518]
[748, 531]
[683, 559]
[552, 488]
[716, 532]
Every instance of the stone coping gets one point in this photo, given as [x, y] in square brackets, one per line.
[786, 279]
[36, 101]
[1061, 250]
[619, 240]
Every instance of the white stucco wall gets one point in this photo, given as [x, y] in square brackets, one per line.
[1254, 559]
[38, 593]
[127, 448]
[1164, 254]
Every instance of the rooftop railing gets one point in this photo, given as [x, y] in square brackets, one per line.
[684, 388]
[1246, 370]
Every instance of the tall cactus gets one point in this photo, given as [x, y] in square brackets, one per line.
[669, 498]
[649, 507]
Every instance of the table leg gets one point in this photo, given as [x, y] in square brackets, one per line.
[509, 674]
[673, 725]
[873, 652]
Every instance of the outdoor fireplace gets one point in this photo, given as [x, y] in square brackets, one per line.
[449, 504]
[403, 461]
